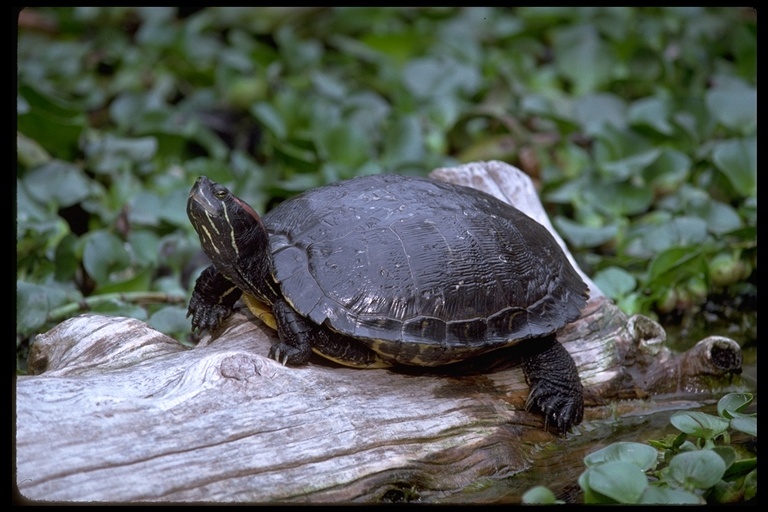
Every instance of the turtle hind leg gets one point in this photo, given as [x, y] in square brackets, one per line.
[299, 337]
[555, 387]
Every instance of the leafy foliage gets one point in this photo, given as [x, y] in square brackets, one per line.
[675, 470]
[639, 124]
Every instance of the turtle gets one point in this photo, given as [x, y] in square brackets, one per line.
[384, 270]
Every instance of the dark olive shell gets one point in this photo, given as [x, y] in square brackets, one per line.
[421, 270]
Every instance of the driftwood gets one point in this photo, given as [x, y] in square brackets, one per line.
[119, 412]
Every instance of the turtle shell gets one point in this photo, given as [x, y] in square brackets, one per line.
[423, 272]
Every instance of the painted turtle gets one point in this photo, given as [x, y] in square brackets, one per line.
[388, 269]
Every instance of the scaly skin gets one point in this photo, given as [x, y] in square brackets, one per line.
[556, 389]
[212, 300]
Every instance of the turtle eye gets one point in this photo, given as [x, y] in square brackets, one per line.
[220, 192]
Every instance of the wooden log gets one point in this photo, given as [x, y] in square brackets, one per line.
[118, 412]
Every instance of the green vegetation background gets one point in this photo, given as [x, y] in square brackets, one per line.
[638, 125]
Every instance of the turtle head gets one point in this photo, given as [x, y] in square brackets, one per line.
[231, 233]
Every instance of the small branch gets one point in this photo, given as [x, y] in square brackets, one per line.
[88, 303]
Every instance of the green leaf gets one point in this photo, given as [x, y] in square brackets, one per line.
[699, 424]
[615, 282]
[170, 320]
[590, 496]
[731, 405]
[56, 124]
[669, 171]
[678, 238]
[143, 110]
[109, 154]
[557, 108]
[653, 112]
[174, 210]
[434, 77]
[580, 236]
[677, 261]
[118, 307]
[157, 29]
[540, 495]
[270, 118]
[620, 481]
[179, 249]
[579, 48]
[57, 183]
[369, 111]
[748, 425]
[740, 468]
[329, 85]
[403, 142]
[35, 301]
[298, 54]
[737, 159]
[669, 441]
[28, 209]
[721, 218]
[700, 469]
[399, 46]
[32, 306]
[67, 258]
[727, 453]
[103, 254]
[614, 145]
[594, 111]
[126, 279]
[343, 144]
[631, 165]
[669, 496]
[146, 208]
[298, 157]
[149, 208]
[619, 199]
[639, 454]
[29, 152]
[145, 247]
[736, 108]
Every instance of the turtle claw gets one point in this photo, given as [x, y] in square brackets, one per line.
[561, 411]
[286, 354]
[206, 317]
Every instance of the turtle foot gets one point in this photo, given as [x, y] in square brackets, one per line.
[212, 300]
[556, 389]
[206, 316]
[560, 411]
[286, 354]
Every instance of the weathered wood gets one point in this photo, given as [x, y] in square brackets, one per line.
[120, 412]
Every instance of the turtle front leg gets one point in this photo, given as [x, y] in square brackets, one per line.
[299, 337]
[212, 300]
[555, 387]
